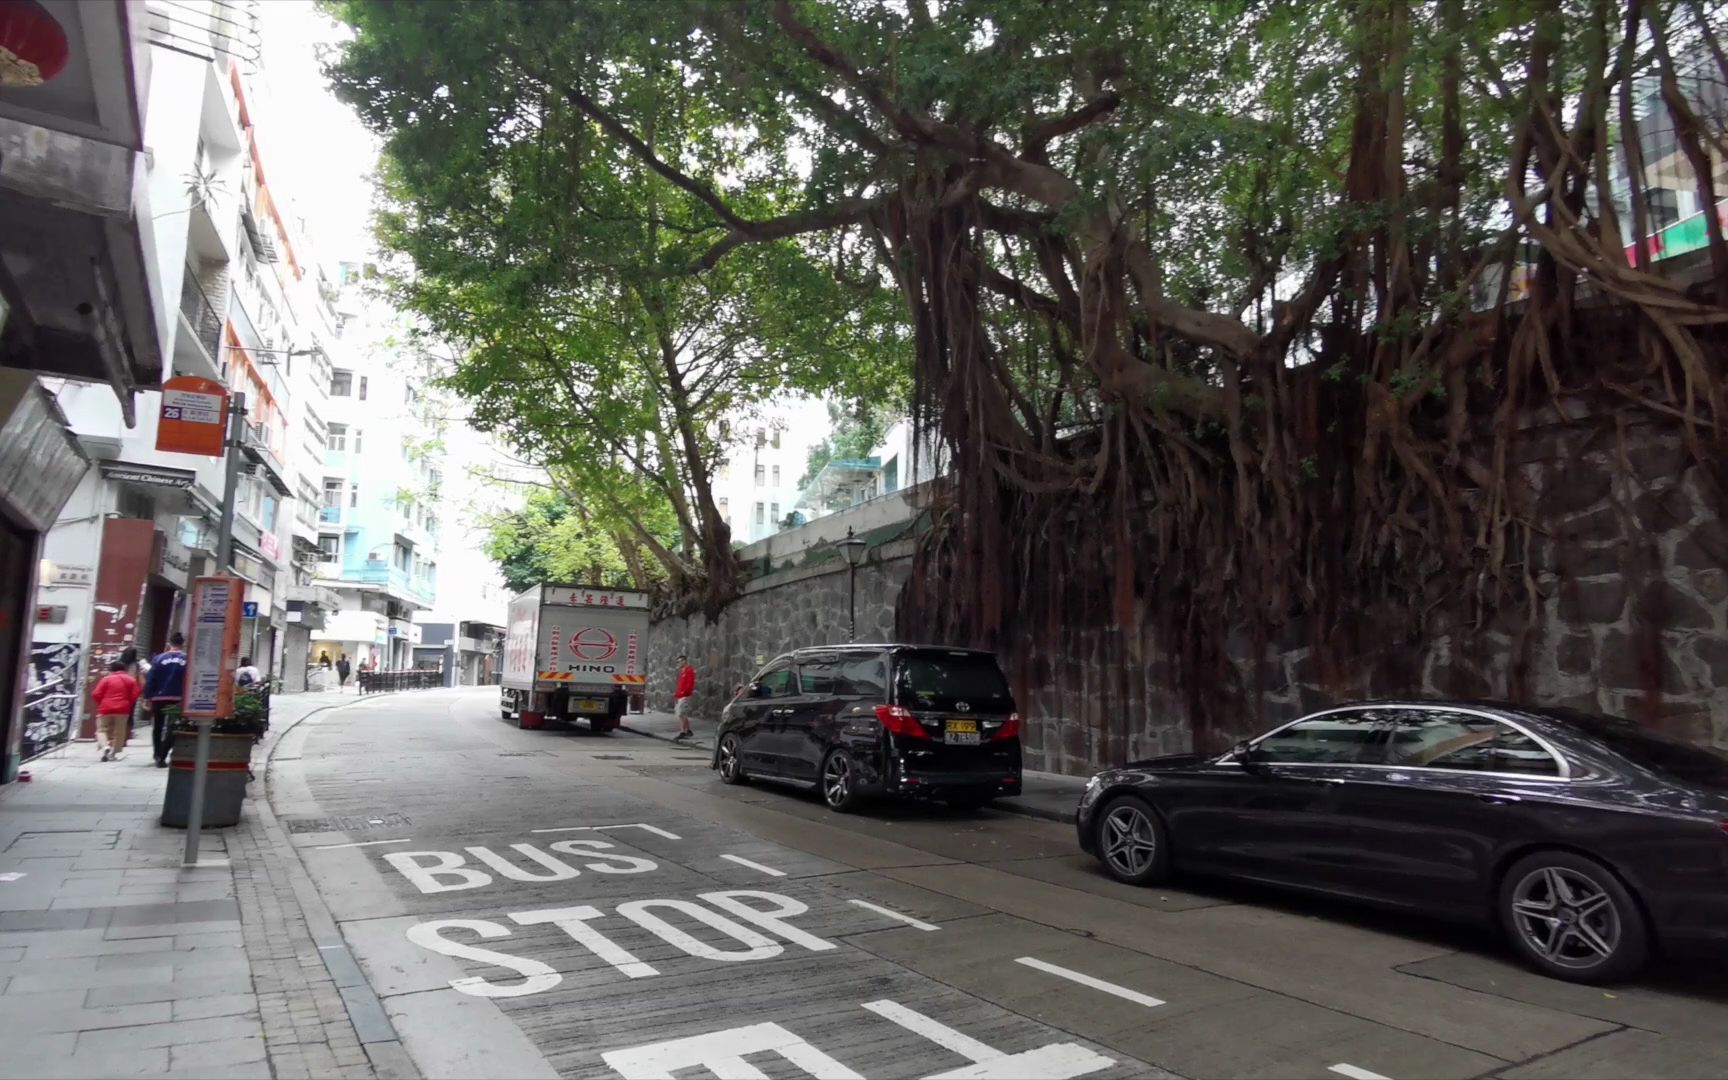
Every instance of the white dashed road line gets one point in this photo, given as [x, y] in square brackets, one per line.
[363, 843]
[655, 829]
[907, 919]
[1099, 984]
[1357, 1074]
[742, 861]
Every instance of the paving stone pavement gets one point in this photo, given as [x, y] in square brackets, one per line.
[117, 961]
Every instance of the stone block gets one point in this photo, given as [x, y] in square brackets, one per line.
[1575, 654]
[1664, 509]
[1597, 527]
[1704, 547]
[1662, 605]
[1711, 585]
[1663, 457]
[1638, 664]
[1592, 602]
[1712, 653]
[1573, 488]
[1573, 560]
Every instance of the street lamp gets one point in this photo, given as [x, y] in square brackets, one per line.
[852, 549]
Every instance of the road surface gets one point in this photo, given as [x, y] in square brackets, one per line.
[549, 903]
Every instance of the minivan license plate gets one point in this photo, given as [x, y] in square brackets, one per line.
[962, 732]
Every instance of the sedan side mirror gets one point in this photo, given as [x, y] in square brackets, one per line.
[1243, 754]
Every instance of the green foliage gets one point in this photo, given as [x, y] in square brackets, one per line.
[550, 539]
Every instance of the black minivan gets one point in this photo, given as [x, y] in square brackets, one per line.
[913, 721]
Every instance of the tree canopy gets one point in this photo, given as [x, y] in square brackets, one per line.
[1230, 292]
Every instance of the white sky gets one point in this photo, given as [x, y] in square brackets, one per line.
[316, 151]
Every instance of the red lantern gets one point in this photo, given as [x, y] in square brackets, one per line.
[32, 45]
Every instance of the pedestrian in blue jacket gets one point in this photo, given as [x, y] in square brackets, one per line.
[163, 687]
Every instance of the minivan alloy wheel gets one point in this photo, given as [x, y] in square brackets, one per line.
[1129, 841]
[837, 780]
[1566, 918]
[730, 768]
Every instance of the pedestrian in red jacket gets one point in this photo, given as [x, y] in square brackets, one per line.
[681, 697]
[115, 695]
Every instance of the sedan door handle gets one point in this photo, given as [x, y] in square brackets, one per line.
[1327, 780]
[1500, 800]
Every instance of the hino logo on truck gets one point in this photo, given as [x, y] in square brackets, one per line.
[592, 643]
[599, 669]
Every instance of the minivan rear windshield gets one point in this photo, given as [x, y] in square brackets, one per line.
[949, 682]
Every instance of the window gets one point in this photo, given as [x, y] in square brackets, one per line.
[330, 549]
[761, 475]
[342, 383]
[1439, 739]
[1345, 738]
[759, 513]
[843, 676]
[775, 440]
[774, 513]
[336, 438]
[362, 388]
[332, 491]
[725, 471]
[761, 438]
[939, 679]
[404, 558]
[778, 681]
[725, 506]
[776, 476]
[353, 494]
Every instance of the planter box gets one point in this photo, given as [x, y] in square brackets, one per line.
[224, 785]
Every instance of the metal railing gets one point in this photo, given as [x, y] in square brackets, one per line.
[384, 682]
[201, 313]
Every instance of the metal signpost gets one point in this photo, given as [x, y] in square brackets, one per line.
[209, 609]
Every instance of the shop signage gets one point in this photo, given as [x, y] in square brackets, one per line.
[175, 564]
[214, 648]
[51, 614]
[71, 576]
[194, 416]
[249, 609]
[152, 478]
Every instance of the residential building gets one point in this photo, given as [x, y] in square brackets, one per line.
[383, 465]
[756, 482]
[898, 462]
[464, 630]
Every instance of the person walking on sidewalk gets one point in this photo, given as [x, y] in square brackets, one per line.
[114, 697]
[681, 697]
[163, 688]
[343, 667]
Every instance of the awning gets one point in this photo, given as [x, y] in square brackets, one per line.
[40, 462]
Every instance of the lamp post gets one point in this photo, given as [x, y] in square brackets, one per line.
[852, 549]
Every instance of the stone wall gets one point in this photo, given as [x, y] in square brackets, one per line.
[1630, 561]
[789, 609]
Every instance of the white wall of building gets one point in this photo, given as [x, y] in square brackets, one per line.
[756, 485]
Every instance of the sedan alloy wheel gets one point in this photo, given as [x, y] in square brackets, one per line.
[1573, 918]
[1131, 841]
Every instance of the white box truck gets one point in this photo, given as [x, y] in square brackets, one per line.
[572, 652]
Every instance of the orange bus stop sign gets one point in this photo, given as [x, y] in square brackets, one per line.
[194, 416]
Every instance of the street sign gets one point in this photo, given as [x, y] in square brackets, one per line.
[214, 648]
[249, 609]
[194, 417]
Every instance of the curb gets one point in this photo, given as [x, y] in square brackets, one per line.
[366, 1013]
[1006, 806]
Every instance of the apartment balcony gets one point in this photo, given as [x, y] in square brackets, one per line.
[330, 515]
[394, 581]
[198, 339]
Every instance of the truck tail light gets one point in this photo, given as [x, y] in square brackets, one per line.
[1010, 728]
[899, 721]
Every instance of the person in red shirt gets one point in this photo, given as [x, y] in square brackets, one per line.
[114, 696]
[681, 697]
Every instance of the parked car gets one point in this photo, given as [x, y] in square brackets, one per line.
[857, 721]
[1588, 839]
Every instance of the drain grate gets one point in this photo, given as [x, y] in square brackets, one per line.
[523, 753]
[348, 823]
[611, 757]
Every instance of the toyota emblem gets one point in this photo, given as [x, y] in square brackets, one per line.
[961, 706]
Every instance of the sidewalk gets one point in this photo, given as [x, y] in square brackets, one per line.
[117, 961]
[1050, 796]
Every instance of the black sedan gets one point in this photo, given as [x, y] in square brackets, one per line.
[1588, 839]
